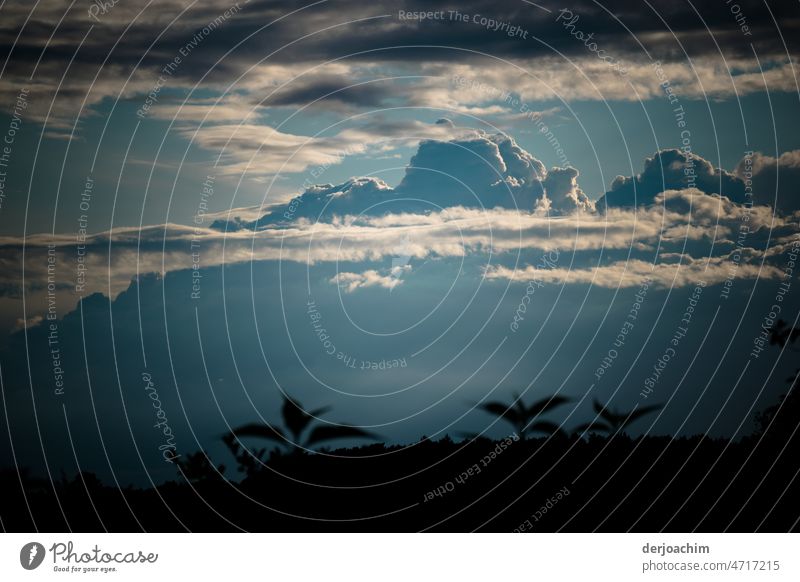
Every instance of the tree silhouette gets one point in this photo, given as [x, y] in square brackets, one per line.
[196, 467]
[523, 418]
[781, 334]
[612, 422]
[779, 421]
[301, 435]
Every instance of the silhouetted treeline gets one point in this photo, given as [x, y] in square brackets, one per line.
[643, 484]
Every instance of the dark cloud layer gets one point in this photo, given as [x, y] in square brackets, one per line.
[136, 42]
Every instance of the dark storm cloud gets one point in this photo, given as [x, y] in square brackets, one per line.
[680, 17]
[308, 90]
[605, 21]
[355, 35]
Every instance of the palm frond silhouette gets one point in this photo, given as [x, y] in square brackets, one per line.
[612, 422]
[299, 433]
[525, 419]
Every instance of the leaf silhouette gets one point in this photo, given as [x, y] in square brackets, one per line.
[607, 414]
[523, 417]
[616, 420]
[519, 405]
[546, 404]
[613, 422]
[294, 417]
[297, 421]
[329, 432]
[638, 413]
[500, 409]
[320, 411]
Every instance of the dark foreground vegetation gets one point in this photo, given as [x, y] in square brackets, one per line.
[569, 484]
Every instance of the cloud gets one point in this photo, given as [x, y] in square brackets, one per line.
[549, 77]
[370, 278]
[323, 200]
[758, 179]
[466, 172]
[475, 170]
[634, 273]
[775, 181]
[685, 222]
[26, 323]
[133, 44]
[476, 197]
[259, 150]
[480, 170]
[672, 169]
[232, 108]
[563, 193]
[338, 90]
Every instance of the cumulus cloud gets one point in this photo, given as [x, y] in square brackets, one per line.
[562, 193]
[473, 170]
[480, 170]
[775, 181]
[454, 169]
[322, 200]
[672, 169]
[758, 179]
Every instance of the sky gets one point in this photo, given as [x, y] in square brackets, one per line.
[400, 210]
